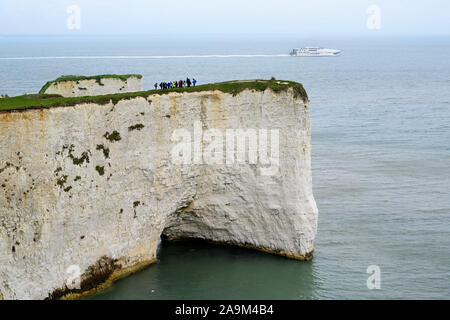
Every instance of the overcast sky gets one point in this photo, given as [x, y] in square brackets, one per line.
[325, 17]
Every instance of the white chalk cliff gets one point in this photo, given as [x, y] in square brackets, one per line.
[93, 86]
[95, 186]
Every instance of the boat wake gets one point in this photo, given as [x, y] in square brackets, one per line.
[150, 57]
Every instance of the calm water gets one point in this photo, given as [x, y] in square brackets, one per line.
[381, 160]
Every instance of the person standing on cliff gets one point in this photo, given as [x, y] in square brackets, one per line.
[188, 82]
[194, 82]
[156, 86]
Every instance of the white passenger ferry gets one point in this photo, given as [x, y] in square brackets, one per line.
[314, 52]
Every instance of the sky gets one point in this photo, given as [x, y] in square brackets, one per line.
[133, 17]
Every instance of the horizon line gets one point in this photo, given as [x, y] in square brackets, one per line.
[371, 34]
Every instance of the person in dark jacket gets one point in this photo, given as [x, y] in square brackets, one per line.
[188, 82]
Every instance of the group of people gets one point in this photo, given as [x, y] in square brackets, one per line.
[176, 84]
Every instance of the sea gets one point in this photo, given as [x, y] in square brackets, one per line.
[380, 115]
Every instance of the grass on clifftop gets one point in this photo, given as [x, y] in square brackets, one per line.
[38, 101]
[98, 79]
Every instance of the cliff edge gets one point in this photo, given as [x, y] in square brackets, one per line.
[89, 185]
[79, 86]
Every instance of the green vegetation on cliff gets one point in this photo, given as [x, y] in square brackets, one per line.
[97, 79]
[38, 101]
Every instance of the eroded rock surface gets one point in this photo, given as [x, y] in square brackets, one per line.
[94, 87]
[95, 186]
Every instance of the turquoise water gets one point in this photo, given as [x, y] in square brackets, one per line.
[380, 118]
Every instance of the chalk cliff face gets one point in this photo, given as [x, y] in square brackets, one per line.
[94, 87]
[93, 187]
